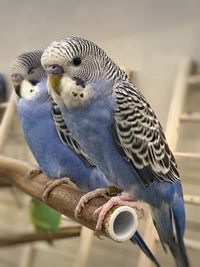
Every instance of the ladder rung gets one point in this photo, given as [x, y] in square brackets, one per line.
[191, 199]
[193, 79]
[187, 155]
[193, 117]
[4, 105]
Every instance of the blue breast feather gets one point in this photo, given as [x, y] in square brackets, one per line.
[91, 126]
[55, 159]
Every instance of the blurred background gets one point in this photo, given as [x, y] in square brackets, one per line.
[151, 38]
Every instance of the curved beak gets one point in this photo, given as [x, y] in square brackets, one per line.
[16, 81]
[54, 82]
[54, 73]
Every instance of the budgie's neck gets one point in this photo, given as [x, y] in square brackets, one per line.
[42, 94]
[112, 71]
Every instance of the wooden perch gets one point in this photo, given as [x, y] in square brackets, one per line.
[65, 198]
[22, 238]
[5, 183]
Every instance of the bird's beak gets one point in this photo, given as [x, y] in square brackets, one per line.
[17, 90]
[54, 82]
[54, 73]
[16, 81]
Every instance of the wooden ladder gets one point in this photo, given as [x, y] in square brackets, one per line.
[176, 117]
[7, 119]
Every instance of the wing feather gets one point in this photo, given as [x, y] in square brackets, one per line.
[65, 135]
[139, 137]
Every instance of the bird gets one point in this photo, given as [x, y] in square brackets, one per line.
[38, 116]
[48, 137]
[118, 129]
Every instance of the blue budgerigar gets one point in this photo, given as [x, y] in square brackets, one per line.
[56, 152]
[39, 116]
[117, 128]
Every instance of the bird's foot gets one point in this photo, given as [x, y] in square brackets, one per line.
[123, 200]
[52, 184]
[100, 192]
[33, 173]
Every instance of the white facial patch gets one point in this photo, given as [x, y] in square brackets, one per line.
[28, 91]
[74, 95]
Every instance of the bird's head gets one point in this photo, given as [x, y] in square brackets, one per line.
[72, 65]
[26, 73]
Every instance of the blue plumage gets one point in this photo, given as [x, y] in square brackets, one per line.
[47, 135]
[54, 158]
[140, 242]
[48, 144]
[91, 124]
[118, 129]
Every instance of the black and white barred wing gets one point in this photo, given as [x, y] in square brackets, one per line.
[140, 139]
[65, 135]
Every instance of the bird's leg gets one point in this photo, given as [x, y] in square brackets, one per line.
[52, 184]
[122, 200]
[33, 173]
[100, 192]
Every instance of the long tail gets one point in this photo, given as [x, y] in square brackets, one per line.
[169, 220]
[137, 239]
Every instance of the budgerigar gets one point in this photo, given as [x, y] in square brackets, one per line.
[117, 128]
[39, 118]
[36, 111]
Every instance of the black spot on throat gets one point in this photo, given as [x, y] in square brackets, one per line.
[74, 94]
[79, 82]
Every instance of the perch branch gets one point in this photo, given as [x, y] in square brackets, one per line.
[4, 182]
[16, 239]
[65, 198]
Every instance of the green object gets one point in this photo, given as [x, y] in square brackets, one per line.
[43, 217]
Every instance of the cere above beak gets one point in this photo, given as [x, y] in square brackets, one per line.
[54, 69]
[16, 78]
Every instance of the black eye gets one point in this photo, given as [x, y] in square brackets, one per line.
[77, 61]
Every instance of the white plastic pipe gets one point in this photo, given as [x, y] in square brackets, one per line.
[121, 224]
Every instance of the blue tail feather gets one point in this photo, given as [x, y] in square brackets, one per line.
[169, 220]
[137, 239]
[178, 247]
